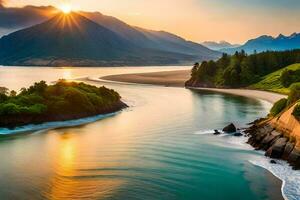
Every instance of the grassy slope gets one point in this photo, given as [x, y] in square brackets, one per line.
[272, 83]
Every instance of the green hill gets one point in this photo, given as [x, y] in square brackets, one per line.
[272, 82]
[257, 71]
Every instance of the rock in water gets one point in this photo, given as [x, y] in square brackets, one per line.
[273, 162]
[238, 134]
[217, 132]
[230, 128]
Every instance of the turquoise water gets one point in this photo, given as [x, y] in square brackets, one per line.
[159, 148]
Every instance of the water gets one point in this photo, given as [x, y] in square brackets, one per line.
[159, 148]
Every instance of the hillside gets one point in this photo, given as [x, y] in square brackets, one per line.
[159, 40]
[272, 82]
[242, 70]
[76, 40]
[268, 43]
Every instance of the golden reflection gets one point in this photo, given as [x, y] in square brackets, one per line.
[71, 177]
[67, 74]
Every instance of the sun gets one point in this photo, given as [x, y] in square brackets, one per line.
[66, 8]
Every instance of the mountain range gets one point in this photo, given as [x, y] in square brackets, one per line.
[268, 43]
[219, 45]
[94, 39]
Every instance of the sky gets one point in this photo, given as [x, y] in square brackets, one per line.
[235, 21]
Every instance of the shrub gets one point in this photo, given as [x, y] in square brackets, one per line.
[278, 107]
[286, 78]
[289, 77]
[296, 111]
[294, 93]
[9, 109]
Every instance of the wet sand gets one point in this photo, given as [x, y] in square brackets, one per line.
[178, 78]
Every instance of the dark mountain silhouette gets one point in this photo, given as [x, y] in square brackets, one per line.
[76, 40]
[269, 43]
[167, 44]
[160, 40]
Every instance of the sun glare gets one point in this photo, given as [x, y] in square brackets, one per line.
[66, 8]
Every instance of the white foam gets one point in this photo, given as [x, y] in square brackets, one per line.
[205, 132]
[51, 125]
[290, 178]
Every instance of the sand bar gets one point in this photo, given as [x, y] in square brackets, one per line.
[178, 78]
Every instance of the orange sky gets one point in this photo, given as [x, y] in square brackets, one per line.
[232, 20]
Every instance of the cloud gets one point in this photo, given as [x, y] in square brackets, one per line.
[15, 18]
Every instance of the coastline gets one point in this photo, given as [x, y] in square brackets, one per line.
[6, 132]
[177, 79]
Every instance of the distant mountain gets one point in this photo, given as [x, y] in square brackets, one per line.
[219, 45]
[265, 43]
[159, 40]
[76, 40]
[154, 47]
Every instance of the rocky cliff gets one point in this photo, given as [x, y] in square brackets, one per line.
[278, 136]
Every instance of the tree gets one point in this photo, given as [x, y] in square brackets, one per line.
[286, 78]
[13, 93]
[4, 90]
[195, 69]
[294, 93]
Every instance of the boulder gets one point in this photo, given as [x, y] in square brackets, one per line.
[268, 128]
[269, 139]
[238, 134]
[273, 162]
[276, 150]
[294, 158]
[230, 128]
[287, 150]
[217, 132]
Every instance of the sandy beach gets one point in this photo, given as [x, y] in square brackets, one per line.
[178, 78]
[166, 78]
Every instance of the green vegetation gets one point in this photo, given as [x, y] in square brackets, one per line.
[293, 98]
[242, 70]
[280, 80]
[278, 107]
[294, 94]
[61, 101]
[296, 111]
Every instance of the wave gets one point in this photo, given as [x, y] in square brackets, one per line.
[52, 125]
[290, 178]
[204, 132]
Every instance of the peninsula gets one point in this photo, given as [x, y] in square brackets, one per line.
[59, 102]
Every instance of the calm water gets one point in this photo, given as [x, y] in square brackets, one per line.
[159, 148]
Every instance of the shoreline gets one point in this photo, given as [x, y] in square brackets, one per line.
[20, 130]
[178, 78]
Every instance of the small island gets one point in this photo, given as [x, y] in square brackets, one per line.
[59, 102]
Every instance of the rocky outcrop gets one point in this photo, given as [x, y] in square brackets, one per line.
[263, 136]
[230, 128]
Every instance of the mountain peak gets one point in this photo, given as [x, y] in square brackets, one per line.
[281, 36]
[269, 43]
